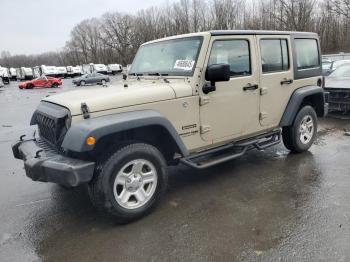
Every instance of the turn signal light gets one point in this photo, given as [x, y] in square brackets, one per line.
[91, 141]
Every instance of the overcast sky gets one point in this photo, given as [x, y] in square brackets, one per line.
[36, 26]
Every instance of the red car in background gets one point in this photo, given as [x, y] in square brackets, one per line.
[41, 82]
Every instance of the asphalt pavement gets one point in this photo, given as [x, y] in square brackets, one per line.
[265, 206]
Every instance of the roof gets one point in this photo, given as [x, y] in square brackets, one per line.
[234, 32]
[257, 32]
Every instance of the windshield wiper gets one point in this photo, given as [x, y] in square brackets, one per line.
[159, 74]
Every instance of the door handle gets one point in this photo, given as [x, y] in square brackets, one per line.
[287, 82]
[250, 87]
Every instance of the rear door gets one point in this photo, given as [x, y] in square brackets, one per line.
[276, 77]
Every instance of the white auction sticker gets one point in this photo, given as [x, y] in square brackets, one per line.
[184, 64]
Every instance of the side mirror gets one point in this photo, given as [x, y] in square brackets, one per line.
[216, 73]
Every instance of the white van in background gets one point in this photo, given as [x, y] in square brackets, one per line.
[90, 68]
[73, 71]
[24, 73]
[61, 71]
[5, 75]
[13, 74]
[100, 68]
[48, 70]
[114, 69]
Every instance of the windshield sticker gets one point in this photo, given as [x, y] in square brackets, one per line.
[186, 65]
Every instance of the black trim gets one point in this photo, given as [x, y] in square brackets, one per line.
[296, 100]
[47, 166]
[99, 127]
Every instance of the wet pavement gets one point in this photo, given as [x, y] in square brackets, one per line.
[266, 206]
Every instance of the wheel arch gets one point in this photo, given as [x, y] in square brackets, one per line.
[308, 95]
[146, 126]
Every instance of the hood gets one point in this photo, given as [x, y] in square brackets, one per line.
[114, 96]
[331, 82]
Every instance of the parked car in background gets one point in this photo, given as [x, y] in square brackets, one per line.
[114, 68]
[5, 74]
[1, 82]
[24, 73]
[93, 78]
[41, 82]
[335, 64]
[338, 86]
[13, 74]
[73, 71]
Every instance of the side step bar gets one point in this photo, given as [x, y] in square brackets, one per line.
[231, 151]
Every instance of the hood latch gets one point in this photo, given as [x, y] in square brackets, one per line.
[85, 111]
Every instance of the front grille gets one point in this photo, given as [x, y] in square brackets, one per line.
[51, 120]
[339, 95]
[47, 128]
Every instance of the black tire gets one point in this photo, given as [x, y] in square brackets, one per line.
[54, 85]
[30, 86]
[292, 135]
[103, 82]
[82, 83]
[101, 189]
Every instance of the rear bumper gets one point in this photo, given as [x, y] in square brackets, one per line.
[47, 166]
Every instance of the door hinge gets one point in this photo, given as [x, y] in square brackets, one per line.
[204, 100]
[205, 129]
[263, 91]
[85, 111]
[262, 115]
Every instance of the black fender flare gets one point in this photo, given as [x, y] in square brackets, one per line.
[99, 127]
[297, 99]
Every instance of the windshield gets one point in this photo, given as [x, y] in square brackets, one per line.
[342, 71]
[171, 57]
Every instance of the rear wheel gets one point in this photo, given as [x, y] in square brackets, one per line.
[129, 183]
[103, 82]
[54, 85]
[82, 83]
[300, 136]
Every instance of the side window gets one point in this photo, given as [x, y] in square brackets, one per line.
[233, 52]
[307, 53]
[274, 55]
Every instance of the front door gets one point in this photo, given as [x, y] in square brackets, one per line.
[276, 81]
[233, 109]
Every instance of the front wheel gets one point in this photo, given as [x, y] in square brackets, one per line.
[103, 82]
[54, 85]
[300, 136]
[130, 183]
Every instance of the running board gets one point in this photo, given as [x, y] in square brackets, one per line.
[231, 151]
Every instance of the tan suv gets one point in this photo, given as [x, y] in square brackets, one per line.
[199, 99]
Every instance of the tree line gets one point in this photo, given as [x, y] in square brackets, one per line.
[115, 37]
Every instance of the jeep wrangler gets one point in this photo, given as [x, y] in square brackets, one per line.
[198, 99]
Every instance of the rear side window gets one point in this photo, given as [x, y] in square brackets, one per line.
[274, 55]
[233, 52]
[307, 53]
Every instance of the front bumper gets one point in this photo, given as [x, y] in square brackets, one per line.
[338, 99]
[48, 166]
